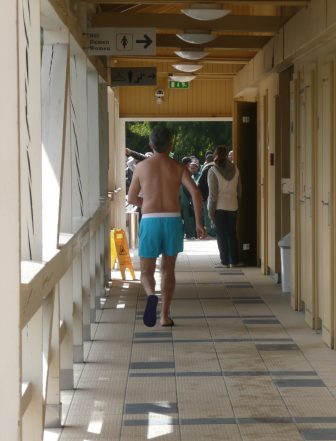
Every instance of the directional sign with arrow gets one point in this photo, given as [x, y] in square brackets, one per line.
[122, 41]
[147, 41]
[133, 76]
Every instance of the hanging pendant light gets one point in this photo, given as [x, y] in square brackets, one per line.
[187, 67]
[205, 11]
[191, 55]
[196, 37]
[181, 78]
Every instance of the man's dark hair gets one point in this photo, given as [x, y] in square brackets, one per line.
[220, 155]
[186, 160]
[160, 139]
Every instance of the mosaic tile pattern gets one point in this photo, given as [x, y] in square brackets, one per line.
[239, 365]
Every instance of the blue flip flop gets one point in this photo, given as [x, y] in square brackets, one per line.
[149, 317]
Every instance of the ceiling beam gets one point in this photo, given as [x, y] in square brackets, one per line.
[224, 2]
[221, 42]
[233, 23]
[113, 62]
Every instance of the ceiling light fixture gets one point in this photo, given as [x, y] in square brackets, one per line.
[196, 37]
[205, 11]
[181, 78]
[191, 55]
[187, 67]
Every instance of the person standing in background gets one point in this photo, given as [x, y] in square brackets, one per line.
[204, 188]
[224, 191]
[194, 170]
[187, 208]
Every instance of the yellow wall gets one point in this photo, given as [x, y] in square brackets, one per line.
[204, 98]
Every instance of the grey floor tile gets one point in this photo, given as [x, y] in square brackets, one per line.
[211, 432]
[319, 434]
[270, 432]
[239, 365]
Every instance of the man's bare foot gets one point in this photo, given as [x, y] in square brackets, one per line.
[169, 322]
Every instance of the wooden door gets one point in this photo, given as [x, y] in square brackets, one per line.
[246, 160]
[302, 185]
[294, 193]
[324, 208]
[264, 188]
[307, 173]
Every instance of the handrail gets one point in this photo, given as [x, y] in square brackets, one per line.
[39, 278]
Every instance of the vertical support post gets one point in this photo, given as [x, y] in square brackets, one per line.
[10, 227]
[86, 292]
[66, 313]
[98, 267]
[32, 421]
[53, 411]
[93, 304]
[78, 349]
[104, 173]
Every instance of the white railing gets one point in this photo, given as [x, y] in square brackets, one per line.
[58, 305]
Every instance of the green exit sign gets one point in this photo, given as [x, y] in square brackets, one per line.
[178, 84]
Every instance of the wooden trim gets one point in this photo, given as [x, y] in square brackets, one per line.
[241, 23]
[223, 41]
[227, 2]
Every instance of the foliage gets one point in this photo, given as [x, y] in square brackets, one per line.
[190, 137]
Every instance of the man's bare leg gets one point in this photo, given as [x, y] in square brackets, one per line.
[147, 268]
[167, 287]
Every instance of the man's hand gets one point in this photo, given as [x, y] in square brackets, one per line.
[201, 232]
[127, 151]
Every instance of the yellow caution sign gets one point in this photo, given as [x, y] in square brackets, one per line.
[119, 250]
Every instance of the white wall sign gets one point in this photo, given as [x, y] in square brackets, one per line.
[122, 41]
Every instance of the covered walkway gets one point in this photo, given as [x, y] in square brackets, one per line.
[240, 364]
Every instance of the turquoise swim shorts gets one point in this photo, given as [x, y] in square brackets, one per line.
[160, 233]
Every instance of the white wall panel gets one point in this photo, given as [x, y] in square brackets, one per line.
[30, 129]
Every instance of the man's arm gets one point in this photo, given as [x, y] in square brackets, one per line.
[134, 190]
[197, 202]
[136, 155]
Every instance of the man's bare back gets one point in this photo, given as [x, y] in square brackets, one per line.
[158, 179]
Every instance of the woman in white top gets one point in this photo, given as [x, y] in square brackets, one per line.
[224, 190]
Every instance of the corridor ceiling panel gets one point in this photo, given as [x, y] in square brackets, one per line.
[239, 35]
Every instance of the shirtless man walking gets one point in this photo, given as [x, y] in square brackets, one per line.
[161, 230]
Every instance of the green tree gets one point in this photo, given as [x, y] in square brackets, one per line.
[190, 137]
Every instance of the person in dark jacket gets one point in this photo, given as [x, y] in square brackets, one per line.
[187, 209]
[204, 188]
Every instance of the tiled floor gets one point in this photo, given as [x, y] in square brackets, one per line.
[238, 365]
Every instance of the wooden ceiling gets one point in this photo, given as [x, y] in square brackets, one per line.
[240, 35]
